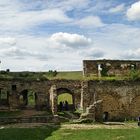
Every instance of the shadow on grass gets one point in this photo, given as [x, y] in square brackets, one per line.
[39, 133]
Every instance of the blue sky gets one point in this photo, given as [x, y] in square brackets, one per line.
[39, 35]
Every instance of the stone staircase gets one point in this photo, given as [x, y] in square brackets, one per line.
[68, 116]
[89, 114]
[90, 111]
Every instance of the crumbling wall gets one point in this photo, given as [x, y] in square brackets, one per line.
[42, 90]
[109, 67]
[121, 99]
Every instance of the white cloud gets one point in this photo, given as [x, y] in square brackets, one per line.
[59, 51]
[92, 53]
[68, 5]
[90, 21]
[117, 9]
[131, 54]
[23, 20]
[133, 13]
[70, 40]
[7, 40]
[18, 53]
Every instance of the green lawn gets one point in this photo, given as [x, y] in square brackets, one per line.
[25, 133]
[96, 134]
[49, 133]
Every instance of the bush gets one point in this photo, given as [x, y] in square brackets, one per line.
[3, 72]
[135, 75]
[52, 73]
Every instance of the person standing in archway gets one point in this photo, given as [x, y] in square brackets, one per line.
[61, 106]
[66, 106]
[139, 121]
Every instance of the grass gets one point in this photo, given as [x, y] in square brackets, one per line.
[9, 113]
[26, 133]
[65, 97]
[49, 133]
[41, 75]
[96, 134]
[70, 75]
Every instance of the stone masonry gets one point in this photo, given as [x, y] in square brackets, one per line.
[120, 99]
[109, 67]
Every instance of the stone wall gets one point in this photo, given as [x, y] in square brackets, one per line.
[112, 67]
[42, 89]
[120, 99]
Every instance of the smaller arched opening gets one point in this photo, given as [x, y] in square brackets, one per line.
[65, 100]
[27, 99]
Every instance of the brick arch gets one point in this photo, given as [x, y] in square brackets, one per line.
[134, 107]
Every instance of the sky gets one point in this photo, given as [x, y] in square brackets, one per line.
[42, 35]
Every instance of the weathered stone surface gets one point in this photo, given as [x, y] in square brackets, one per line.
[120, 99]
[113, 67]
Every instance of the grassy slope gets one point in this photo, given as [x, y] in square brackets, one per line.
[72, 75]
[42, 75]
[69, 75]
[65, 134]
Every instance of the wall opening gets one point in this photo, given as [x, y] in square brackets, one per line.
[105, 116]
[27, 99]
[65, 100]
[14, 87]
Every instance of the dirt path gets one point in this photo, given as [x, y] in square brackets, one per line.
[99, 126]
[73, 126]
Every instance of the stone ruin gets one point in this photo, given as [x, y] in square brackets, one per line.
[98, 100]
[109, 67]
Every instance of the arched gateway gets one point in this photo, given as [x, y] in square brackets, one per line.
[65, 100]
[61, 99]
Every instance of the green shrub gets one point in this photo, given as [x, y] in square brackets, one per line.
[135, 75]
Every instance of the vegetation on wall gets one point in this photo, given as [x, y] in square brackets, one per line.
[135, 75]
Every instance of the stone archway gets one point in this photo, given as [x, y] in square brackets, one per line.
[65, 100]
[54, 93]
[27, 99]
